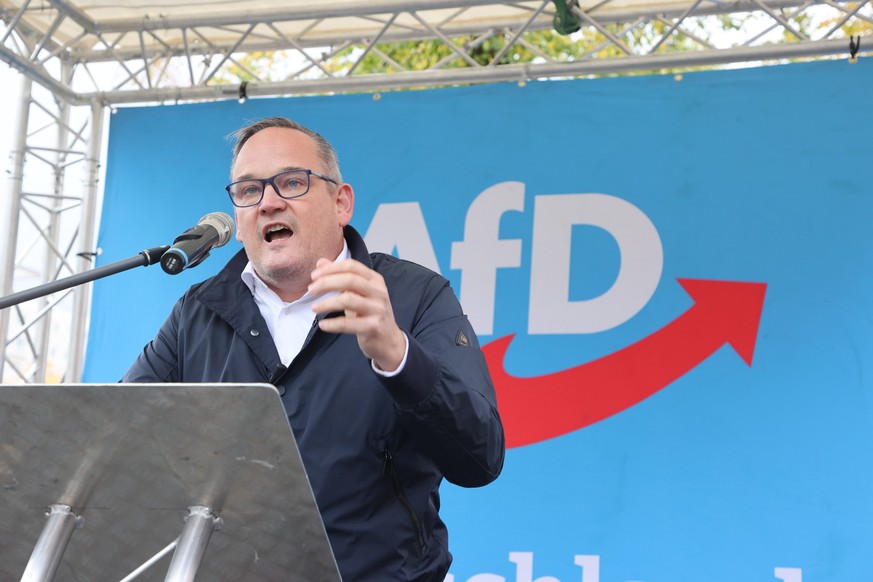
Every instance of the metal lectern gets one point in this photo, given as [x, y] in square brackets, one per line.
[112, 482]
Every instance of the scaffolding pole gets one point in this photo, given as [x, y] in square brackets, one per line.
[12, 208]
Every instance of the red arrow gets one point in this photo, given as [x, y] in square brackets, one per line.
[544, 407]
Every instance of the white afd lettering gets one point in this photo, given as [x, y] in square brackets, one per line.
[401, 227]
[482, 252]
[642, 261]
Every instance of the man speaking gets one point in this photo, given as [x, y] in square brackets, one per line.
[380, 372]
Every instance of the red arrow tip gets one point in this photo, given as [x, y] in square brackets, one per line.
[733, 307]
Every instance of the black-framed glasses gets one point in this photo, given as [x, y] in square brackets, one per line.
[287, 184]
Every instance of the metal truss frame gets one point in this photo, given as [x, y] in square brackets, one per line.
[75, 67]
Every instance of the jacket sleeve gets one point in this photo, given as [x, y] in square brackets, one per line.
[444, 393]
[158, 362]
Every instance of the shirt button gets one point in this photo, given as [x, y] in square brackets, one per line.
[255, 332]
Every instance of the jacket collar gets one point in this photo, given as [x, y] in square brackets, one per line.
[357, 248]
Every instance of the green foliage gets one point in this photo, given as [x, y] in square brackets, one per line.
[248, 67]
[854, 27]
[654, 36]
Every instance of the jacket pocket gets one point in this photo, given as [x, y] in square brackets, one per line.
[390, 471]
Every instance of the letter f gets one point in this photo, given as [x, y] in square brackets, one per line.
[482, 251]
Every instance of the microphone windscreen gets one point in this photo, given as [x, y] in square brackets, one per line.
[222, 223]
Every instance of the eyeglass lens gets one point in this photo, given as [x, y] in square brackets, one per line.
[289, 184]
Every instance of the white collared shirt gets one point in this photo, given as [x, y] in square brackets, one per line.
[289, 323]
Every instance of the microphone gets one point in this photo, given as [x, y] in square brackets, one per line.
[192, 246]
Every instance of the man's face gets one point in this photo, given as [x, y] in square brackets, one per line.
[284, 238]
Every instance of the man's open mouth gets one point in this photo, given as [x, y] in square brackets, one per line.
[277, 233]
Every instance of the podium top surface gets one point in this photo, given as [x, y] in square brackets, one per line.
[131, 458]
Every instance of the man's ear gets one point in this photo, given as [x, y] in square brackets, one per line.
[345, 203]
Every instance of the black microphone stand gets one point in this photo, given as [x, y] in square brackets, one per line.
[142, 259]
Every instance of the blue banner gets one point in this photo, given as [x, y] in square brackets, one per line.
[671, 276]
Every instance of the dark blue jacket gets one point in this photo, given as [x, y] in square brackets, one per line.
[375, 449]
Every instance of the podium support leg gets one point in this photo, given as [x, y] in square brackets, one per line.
[199, 526]
[52, 542]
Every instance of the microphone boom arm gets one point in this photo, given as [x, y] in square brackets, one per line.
[142, 259]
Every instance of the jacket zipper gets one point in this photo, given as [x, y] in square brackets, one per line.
[389, 470]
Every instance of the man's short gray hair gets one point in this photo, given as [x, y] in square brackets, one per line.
[326, 153]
